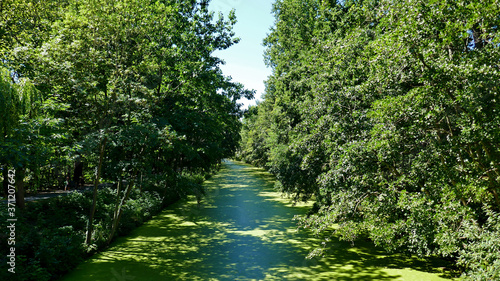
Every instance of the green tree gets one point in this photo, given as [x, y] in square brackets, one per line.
[143, 95]
[386, 113]
[23, 128]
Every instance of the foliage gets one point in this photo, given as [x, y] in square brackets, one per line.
[50, 233]
[139, 74]
[386, 113]
[127, 88]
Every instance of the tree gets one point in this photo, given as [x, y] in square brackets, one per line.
[386, 114]
[20, 106]
[129, 70]
[138, 94]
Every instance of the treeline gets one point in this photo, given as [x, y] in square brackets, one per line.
[125, 92]
[387, 114]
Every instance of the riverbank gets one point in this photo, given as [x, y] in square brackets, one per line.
[48, 235]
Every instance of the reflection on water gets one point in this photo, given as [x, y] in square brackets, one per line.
[243, 230]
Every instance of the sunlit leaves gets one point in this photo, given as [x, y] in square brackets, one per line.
[387, 112]
[140, 74]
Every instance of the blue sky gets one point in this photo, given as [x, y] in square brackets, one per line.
[245, 60]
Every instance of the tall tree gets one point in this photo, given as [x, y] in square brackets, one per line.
[19, 106]
[136, 84]
[386, 113]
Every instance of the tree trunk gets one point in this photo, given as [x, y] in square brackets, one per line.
[117, 204]
[118, 211]
[20, 187]
[90, 227]
[140, 185]
[78, 173]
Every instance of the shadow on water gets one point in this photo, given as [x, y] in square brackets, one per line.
[242, 231]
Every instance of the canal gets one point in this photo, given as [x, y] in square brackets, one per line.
[242, 230]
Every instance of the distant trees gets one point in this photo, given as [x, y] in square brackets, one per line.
[387, 114]
[129, 88]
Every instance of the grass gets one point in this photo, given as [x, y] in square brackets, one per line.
[242, 231]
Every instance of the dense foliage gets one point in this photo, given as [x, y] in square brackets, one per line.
[124, 92]
[387, 114]
[51, 232]
[114, 91]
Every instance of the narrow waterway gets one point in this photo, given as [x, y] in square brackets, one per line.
[243, 230]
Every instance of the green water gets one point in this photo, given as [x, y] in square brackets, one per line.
[242, 231]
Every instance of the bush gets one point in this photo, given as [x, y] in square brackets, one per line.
[481, 256]
[60, 249]
[51, 233]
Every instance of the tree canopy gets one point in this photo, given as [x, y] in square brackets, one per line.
[387, 114]
[124, 90]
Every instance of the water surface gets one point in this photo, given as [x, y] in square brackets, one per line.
[243, 230]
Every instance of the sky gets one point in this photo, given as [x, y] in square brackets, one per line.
[245, 60]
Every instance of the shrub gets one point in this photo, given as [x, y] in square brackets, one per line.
[60, 249]
[481, 256]
[50, 233]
